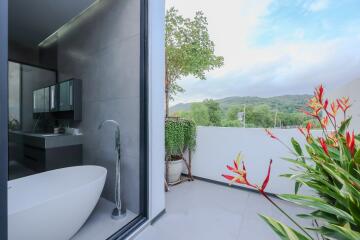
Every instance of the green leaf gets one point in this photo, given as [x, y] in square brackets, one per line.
[286, 175]
[297, 187]
[317, 203]
[354, 210]
[344, 125]
[327, 189]
[180, 134]
[357, 157]
[296, 146]
[283, 231]
[357, 137]
[320, 215]
[345, 233]
[296, 162]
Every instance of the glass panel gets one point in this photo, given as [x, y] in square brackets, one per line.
[14, 95]
[64, 91]
[101, 148]
[46, 100]
[39, 101]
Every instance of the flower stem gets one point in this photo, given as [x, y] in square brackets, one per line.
[287, 147]
[287, 215]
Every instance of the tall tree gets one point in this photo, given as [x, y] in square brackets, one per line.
[232, 113]
[214, 111]
[189, 51]
[199, 114]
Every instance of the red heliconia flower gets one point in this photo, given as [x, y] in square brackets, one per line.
[240, 178]
[315, 106]
[270, 133]
[350, 142]
[266, 181]
[335, 141]
[334, 109]
[234, 179]
[344, 103]
[241, 175]
[319, 93]
[308, 127]
[326, 104]
[308, 131]
[324, 122]
[324, 146]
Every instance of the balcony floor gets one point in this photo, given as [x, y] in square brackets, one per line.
[202, 210]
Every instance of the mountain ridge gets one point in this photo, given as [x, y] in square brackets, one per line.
[284, 103]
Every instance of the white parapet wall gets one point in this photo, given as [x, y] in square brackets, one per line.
[350, 90]
[218, 146]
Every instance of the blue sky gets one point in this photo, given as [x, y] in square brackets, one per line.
[276, 47]
[289, 20]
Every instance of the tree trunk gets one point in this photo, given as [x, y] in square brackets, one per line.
[166, 98]
[167, 85]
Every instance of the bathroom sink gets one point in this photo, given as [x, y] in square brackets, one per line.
[39, 134]
[51, 134]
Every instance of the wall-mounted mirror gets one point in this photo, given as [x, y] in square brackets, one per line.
[27, 94]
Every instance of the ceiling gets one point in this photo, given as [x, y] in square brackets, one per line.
[32, 21]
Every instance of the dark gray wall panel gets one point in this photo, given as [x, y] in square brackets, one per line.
[103, 49]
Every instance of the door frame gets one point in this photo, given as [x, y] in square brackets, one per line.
[144, 128]
[3, 116]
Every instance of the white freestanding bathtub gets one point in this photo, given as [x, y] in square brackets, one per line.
[53, 205]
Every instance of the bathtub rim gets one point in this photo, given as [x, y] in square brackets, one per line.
[9, 213]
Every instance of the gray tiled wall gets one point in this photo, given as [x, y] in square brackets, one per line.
[102, 48]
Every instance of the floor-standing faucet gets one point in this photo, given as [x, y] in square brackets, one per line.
[120, 209]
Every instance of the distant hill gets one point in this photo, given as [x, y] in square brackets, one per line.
[285, 103]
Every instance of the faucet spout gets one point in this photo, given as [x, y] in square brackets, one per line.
[109, 121]
[117, 132]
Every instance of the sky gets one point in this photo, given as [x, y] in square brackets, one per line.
[276, 47]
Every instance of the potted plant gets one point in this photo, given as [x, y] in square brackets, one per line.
[180, 135]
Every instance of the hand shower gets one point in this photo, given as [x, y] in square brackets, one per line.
[120, 209]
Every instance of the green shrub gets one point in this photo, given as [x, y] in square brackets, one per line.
[180, 134]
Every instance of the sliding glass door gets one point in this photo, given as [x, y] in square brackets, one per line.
[89, 157]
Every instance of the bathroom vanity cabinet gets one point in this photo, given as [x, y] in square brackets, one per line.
[63, 100]
[41, 102]
[44, 152]
[69, 100]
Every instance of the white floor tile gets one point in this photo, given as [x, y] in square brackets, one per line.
[100, 225]
[201, 210]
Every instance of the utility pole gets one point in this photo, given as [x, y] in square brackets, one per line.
[276, 113]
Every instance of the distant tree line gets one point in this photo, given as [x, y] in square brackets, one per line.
[209, 113]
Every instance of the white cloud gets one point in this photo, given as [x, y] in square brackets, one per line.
[299, 33]
[283, 69]
[231, 24]
[318, 5]
[277, 69]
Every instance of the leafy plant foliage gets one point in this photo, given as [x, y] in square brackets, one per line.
[281, 111]
[330, 166]
[189, 50]
[180, 134]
